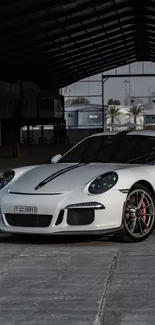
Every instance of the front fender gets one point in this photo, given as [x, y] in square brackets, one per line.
[128, 177]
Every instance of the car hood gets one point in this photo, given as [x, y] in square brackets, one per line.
[60, 178]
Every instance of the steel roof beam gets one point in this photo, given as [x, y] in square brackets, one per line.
[70, 25]
[141, 33]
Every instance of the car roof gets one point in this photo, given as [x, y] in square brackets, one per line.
[149, 133]
[102, 134]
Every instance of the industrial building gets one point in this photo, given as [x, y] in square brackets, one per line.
[84, 116]
[90, 116]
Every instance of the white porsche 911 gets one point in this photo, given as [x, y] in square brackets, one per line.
[103, 185]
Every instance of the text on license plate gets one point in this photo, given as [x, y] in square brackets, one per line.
[25, 209]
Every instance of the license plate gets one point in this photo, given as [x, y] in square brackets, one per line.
[23, 209]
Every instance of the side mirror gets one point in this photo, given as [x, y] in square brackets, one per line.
[55, 159]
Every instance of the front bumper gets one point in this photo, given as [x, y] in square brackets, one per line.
[64, 218]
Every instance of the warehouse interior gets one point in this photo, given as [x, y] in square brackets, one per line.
[46, 46]
[53, 45]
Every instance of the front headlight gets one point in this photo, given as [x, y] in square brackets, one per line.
[103, 183]
[6, 178]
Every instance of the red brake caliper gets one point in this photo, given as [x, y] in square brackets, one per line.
[144, 211]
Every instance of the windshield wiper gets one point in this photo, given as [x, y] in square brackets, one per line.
[148, 155]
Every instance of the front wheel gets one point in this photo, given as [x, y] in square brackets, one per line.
[139, 214]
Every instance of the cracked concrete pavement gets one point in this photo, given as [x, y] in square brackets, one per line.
[65, 281]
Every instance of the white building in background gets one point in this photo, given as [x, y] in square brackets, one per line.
[90, 116]
[125, 119]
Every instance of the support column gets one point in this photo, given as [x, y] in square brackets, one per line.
[42, 134]
[28, 134]
[10, 135]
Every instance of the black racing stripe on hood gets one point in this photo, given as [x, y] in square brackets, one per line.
[57, 174]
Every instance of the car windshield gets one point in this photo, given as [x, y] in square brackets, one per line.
[135, 149]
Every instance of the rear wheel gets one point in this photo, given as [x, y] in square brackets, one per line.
[139, 214]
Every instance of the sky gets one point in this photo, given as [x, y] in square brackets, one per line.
[115, 87]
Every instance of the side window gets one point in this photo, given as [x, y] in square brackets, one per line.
[126, 148]
[105, 151]
[96, 149]
[93, 148]
[76, 154]
[99, 149]
[88, 149]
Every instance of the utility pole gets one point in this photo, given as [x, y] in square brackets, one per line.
[126, 91]
[103, 80]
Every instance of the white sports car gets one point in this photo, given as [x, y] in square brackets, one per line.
[104, 185]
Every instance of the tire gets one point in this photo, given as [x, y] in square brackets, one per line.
[142, 220]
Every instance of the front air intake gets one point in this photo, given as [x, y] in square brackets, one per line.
[28, 220]
[80, 217]
[60, 218]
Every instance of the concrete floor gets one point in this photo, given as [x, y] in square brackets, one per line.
[47, 280]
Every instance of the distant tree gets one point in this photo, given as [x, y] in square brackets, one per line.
[77, 100]
[113, 102]
[134, 111]
[112, 113]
